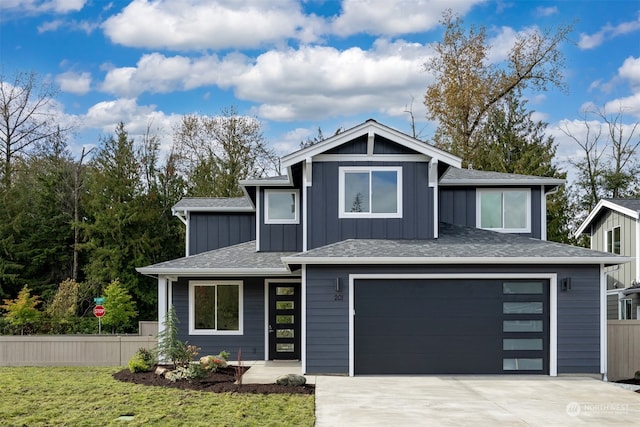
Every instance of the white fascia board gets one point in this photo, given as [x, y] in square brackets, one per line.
[596, 211]
[455, 260]
[502, 182]
[214, 209]
[265, 182]
[215, 271]
[366, 128]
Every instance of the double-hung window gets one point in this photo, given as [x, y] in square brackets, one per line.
[215, 307]
[502, 210]
[370, 192]
[613, 240]
[281, 207]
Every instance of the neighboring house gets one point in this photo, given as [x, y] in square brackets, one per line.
[377, 254]
[614, 227]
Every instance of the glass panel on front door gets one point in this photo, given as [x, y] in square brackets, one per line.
[284, 321]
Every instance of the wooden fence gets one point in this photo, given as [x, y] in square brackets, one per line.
[623, 349]
[71, 350]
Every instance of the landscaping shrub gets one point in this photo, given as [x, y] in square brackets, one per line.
[142, 361]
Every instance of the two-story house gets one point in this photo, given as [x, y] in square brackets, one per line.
[377, 254]
[614, 227]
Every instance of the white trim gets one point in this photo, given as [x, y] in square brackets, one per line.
[606, 240]
[193, 284]
[343, 170]
[258, 217]
[285, 181]
[303, 314]
[453, 260]
[162, 302]
[433, 182]
[187, 241]
[489, 182]
[371, 158]
[306, 168]
[601, 205]
[186, 210]
[481, 191]
[603, 322]
[378, 129]
[553, 304]
[296, 202]
[543, 213]
[370, 138]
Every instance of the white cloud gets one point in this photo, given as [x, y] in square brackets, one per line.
[202, 24]
[546, 11]
[393, 17]
[77, 83]
[608, 32]
[629, 105]
[316, 81]
[41, 6]
[157, 73]
[630, 70]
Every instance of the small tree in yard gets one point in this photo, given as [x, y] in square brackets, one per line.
[22, 311]
[119, 308]
[170, 348]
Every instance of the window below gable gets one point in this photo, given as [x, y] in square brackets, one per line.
[613, 240]
[281, 207]
[370, 192]
[215, 308]
[507, 211]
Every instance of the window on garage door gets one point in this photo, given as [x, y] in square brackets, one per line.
[524, 326]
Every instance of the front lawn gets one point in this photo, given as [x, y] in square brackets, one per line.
[89, 396]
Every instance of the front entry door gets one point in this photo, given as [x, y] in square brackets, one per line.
[284, 321]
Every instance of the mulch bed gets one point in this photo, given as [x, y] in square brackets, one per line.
[222, 381]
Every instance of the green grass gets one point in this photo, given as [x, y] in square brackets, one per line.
[89, 396]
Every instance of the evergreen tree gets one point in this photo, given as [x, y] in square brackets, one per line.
[119, 308]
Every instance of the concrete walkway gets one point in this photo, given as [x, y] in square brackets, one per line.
[266, 372]
[473, 400]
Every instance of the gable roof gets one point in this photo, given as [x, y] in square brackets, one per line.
[463, 177]
[237, 259]
[371, 127]
[455, 245]
[629, 207]
[213, 204]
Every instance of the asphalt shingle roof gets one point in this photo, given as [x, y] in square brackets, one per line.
[465, 244]
[242, 258]
[633, 204]
[189, 203]
[456, 176]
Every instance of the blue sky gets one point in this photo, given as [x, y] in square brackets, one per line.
[298, 65]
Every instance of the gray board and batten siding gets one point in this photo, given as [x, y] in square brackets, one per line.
[578, 313]
[457, 206]
[325, 226]
[252, 339]
[280, 237]
[214, 230]
[622, 275]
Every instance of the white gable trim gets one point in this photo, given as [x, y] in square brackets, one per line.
[602, 204]
[368, 128]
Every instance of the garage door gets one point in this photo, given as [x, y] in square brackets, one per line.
[451, 326]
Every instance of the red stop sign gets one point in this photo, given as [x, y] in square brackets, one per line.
[98, 310]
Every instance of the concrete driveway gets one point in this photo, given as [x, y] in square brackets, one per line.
[472, 400]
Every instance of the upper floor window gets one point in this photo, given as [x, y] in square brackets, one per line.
[504, 210]
[281, 207]
[613, 240]
[370, 192]
[215, 308]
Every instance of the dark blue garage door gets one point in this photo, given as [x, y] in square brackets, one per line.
[451, 326]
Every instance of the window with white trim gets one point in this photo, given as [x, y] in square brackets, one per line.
[215, 307]
[613, 240]
[503, 210]
[370, 192]
[281, 206]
